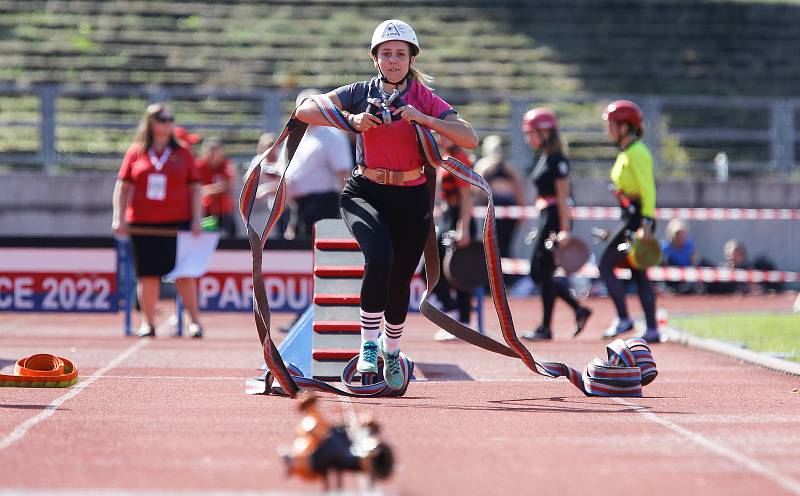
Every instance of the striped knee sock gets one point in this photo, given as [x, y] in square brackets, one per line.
[391, 338]
[370, 325]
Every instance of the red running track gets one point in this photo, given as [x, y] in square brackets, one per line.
[170, 415]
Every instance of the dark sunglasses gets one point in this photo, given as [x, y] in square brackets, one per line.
[159, 118]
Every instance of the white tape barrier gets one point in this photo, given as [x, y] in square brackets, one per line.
[518, 266]
[613, 213]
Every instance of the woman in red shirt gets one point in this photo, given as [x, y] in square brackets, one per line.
[158, 188]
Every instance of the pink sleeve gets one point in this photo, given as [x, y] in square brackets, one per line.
[126, 170]
[434, 105]
[439, 108]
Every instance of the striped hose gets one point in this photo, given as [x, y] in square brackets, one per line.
[629, 366]
[630, 363]
[288, 377]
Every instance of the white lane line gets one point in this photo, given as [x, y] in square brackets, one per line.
[351, 419]
[742, 459]
[174, 377]
[22, 429]
[12, 325]
[152, 492]
[348, 410]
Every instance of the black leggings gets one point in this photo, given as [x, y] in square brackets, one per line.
[611, 257]
[391, 225]
[543, 265]
[308, 209]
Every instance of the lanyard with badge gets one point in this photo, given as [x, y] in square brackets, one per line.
[157, 182]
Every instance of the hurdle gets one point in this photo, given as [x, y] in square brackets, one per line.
[124, 280]
[338, 270]
[126, 289]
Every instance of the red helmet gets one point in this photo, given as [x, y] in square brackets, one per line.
[539, 118]
[624, 111]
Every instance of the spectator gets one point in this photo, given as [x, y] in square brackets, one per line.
[185, 138]
[218, 178]
[265, 141]
[507, 190]
[734, 257]
[158, 188]
[456, 221]
[678, 251]
[315, 177]
[268, 183]
[765, 263]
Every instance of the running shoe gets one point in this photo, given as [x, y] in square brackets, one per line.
[392, 369]
[195, 331]
[368, 358]
[652, 336]
[581, 316]
[146, 331]
[540, 334]
[619, 326]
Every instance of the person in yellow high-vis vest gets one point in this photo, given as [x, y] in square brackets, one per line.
[635, 189]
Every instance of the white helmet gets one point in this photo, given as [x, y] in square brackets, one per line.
[394, 29]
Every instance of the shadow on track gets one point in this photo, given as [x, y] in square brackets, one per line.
[551, 404]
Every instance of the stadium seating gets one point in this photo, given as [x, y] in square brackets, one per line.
[662, 46]
[474, 48]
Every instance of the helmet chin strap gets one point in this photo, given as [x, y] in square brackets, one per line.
[622, 137]
[629, 137]
[386, 80]
[543, 141]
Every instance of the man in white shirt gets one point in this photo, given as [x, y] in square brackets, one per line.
[267, 185]
[316, 174]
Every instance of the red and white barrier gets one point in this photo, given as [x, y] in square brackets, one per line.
[613, 213]
[518, 266]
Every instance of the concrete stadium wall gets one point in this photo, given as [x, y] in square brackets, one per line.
[34, 204]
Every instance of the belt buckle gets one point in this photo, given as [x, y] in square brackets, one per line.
[383, 176]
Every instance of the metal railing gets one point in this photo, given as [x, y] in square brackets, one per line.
[767, 147]
[764, 140]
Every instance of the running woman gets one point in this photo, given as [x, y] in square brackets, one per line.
[550, 175]
[635, 189]
[386, 203]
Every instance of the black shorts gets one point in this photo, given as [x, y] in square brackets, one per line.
[155, 255]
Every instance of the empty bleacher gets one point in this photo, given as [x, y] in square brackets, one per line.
[480, 52]
[655, 46]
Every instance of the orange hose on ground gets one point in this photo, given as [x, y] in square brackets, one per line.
[41, 370]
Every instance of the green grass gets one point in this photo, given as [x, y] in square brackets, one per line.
[765, 332]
